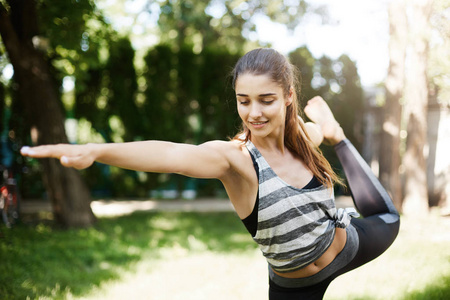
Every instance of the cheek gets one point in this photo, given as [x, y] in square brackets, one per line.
[277, 111]
[241, 112]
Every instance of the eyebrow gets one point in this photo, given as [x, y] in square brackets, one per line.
[261, 95]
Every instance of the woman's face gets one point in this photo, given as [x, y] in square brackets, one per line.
[261, 104]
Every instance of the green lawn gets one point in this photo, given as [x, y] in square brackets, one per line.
[195, 256]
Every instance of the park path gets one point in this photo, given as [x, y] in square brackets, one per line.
[120, 207]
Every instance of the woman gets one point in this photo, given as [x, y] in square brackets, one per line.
[276, 178]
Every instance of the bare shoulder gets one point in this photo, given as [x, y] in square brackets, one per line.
[234, 152]
[233, 149]
[240, 181]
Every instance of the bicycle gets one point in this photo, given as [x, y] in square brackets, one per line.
[9, 199]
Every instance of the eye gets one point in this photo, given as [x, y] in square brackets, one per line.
[268, 101]
[243, 101]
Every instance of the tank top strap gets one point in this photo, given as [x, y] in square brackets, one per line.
[261, 165]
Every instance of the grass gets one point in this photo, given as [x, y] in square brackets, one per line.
[41, 261]
[199, 256]
[416, 266]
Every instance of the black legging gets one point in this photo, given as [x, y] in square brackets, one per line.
[376, 231]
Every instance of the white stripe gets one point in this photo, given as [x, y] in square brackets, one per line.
[290, 226]
[289, 203]
[263, 165]
[299, 242]
[269, 186]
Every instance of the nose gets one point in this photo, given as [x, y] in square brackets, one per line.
[255, 111]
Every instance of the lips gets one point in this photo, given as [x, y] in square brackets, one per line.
[258, 124]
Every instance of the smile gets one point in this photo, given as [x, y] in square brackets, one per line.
[257, 125]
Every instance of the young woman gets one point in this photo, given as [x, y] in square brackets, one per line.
[276, 178]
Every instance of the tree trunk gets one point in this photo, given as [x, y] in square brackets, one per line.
[390, 136]
[37, 90]
[416, 196]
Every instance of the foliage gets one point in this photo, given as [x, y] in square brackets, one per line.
[303, 59]
[33, 254]
[162, 108]
[218, 115]
[107, 92]
[2, 106]
[338, 82]
[228, 24]
[186, 97]
[179, 93]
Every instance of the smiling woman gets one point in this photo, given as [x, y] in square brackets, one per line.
[278, 181]
[261, 104]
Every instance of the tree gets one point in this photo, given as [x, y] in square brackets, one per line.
[350, 97]
[416, 196]
[38, 92]
[439, 104]
[303, 59]
[390, 137]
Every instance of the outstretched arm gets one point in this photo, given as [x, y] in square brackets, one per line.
[208, 160]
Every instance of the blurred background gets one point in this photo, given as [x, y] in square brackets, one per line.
[83, 71]
[115, 71]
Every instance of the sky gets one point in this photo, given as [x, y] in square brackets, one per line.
[360, 29]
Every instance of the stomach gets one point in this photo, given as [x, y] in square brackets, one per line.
[315, 267]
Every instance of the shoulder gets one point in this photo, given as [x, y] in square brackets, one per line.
[234, 151]
[233, 147]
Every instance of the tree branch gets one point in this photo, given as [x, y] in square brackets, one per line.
[9, 36]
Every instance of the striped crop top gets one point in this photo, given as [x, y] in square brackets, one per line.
[295, 226]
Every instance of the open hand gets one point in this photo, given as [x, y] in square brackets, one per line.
[75, 156]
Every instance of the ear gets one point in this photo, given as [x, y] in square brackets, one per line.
[290, 97]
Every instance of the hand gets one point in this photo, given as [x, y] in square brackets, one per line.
[314, 132]
[75, 156]
[320, 113]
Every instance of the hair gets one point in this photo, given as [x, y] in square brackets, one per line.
[269, 62]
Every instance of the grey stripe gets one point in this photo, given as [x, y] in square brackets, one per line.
[343, 258]
[288, 215]
[319, 243]
[305, 259]
[287, 192]
[265, 174]
[292, 235]
[389, 218]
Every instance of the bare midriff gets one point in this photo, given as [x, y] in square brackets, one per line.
[335, 248]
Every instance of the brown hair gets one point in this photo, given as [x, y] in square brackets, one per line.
[269, 62]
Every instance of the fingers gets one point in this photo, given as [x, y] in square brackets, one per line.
[65, 161]
[55, 151]
[77, 162]
[37, 152]
[68, 155]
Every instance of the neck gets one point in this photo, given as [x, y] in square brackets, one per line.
[270, 143]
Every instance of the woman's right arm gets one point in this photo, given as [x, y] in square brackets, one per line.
[208, 160]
